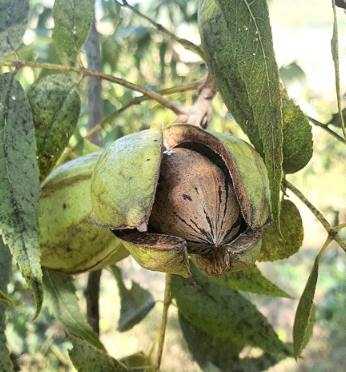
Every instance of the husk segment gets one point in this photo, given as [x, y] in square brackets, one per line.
[246, 169]
[70, 242]
[123, 191]
[125, 179]
[124, 187]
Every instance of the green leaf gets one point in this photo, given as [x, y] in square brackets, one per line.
[212, 354]
[5, 270]
[297, 148]
[209, 350]
[305, 314]
[276, 246]
[87, 358]
[135, 303]
[4, 298]
[250, 280]
[237, 43]
[62, 303]
[73, 19]
[220, 311]
[138, 360]
[335, 120]
[14, 17]
[19, 183]
[55, 106]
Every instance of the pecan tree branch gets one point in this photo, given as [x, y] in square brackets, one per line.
[335, 54]
[332, 231]
[178, 89]
[92, 291]
[177, 109]
[184, 42]
[326, 128]
[200, 114]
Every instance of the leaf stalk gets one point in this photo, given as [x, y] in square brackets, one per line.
[161, 338]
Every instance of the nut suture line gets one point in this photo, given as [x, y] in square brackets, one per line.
[202, 205]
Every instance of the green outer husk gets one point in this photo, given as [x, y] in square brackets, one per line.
[70, 242]
[125, 178]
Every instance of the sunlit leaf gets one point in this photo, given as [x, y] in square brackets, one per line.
[87, 358]
[14, 17]
[19, 183]
[221, 311]
[5, 270]
[135, 303]
[55, 106]
[73, 19]
[305, 314]
[138, 360]
[297, 148]
[276, 246]
[250, 280]
[4, 298]
[237, 44]
[62, 302]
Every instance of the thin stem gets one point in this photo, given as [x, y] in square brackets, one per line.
[335, 54]
[333, 232]
[92, 291]
[86, 72]
[185, 43]
[178, 89]
[166, 303]
[325, 246]
[340, 227]
[326, 128]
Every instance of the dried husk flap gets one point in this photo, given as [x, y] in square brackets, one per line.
[157, 252]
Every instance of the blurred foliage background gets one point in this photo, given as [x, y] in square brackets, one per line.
[133, 50]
